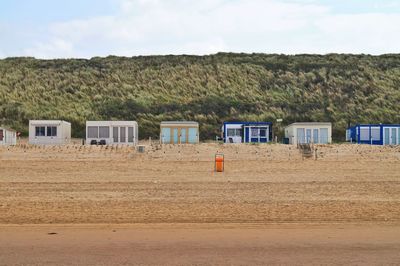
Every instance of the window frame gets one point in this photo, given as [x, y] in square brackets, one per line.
[365, 134]
[106, 130]
[265, 132]
[373, 132]
[53, 131]
[40, 129]
[254, 132]
[96, 136]
[131, 135]
[231, 132]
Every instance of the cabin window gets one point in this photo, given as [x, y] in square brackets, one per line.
[115, 134]
[231, 132]
[308, 135]
[263, 132]
[40, 131]
[301, 135]
[104, 132]
[324, 136]
[93, 132]
[315, 135]
[364, 134]
[122, 134]
[376, 133]
[130, 134]
[254, 132]
[51, 131]
[234, 132]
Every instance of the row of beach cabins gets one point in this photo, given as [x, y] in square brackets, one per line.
[58, 132]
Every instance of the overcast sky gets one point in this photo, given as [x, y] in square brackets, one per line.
[87, 28]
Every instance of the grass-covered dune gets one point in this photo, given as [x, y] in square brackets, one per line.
[209, 89]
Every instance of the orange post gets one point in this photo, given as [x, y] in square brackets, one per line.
[219, 162]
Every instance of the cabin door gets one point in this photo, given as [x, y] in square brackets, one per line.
[183, 136]
[1, 136]
[166, 135]
[394, 136]
[175, 136]
[193, 135]
[391, 136]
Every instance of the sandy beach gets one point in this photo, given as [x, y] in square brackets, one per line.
[168, 206]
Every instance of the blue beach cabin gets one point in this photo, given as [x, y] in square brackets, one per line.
[374, 134]
[247, 132]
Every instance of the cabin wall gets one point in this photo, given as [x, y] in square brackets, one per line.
[61, 137]
[309, 133]
[8, 137]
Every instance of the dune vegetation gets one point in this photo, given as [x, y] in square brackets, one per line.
[211, 89]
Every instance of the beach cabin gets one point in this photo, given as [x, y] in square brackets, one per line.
[247, 132]
[49, 132]
[112, 132]
[374, 134]
[309, 132]
[7, 136]
[179, 132]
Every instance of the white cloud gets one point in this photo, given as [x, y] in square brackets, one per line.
[52, 49]
[361, 33]
[201, 27]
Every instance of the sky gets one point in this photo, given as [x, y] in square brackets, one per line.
[87, 28]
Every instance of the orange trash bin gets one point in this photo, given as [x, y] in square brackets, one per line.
[219, 163]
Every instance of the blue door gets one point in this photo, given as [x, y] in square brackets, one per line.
[183, 135]
[166, 135]
[176, 136]
[192, 135]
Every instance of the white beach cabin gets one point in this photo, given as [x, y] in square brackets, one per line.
[7, 136]
[49, 132]
[309, 132]
[112, 132]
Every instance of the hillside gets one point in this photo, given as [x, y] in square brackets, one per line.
[208, 89]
